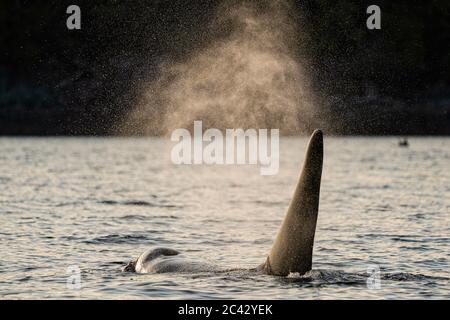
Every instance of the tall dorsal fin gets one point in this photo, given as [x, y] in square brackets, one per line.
[293, 247]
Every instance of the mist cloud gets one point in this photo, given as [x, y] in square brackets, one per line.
[250, 77]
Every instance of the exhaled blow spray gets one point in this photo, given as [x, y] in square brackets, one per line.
[249, 78]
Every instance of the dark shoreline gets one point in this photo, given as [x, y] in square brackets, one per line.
[60, 82]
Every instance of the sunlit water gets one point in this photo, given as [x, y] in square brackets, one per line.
[96, 203]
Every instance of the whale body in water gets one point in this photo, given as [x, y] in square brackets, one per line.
[160, 260]
[292, 249]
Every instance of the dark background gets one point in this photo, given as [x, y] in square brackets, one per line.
[59, 82]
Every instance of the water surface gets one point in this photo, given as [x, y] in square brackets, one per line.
[96, 203]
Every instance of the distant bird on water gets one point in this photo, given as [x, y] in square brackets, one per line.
[403, 143]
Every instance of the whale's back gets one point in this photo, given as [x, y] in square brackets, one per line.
[163, 260]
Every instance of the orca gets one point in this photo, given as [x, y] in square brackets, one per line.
[164, 260]
[292, 249]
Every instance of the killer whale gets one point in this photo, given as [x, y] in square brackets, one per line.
[163, 260]
[292, 249]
